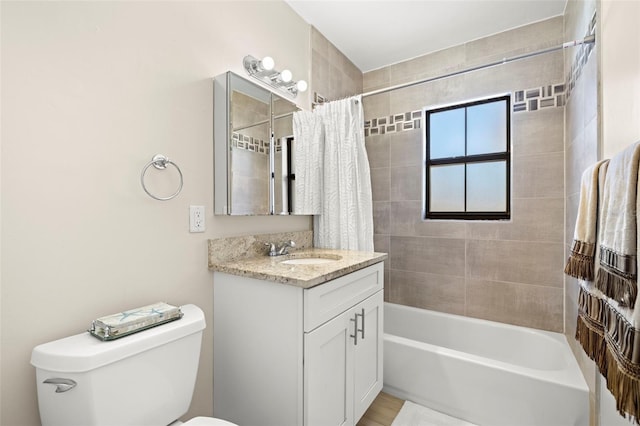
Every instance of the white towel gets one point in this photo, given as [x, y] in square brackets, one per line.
[581, 262]
[617, 239]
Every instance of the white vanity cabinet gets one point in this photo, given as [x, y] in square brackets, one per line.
[289, 356]
[342, 374]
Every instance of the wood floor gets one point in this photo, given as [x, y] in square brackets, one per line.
[384, 409]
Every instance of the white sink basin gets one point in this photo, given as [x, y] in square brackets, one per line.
[308, 261]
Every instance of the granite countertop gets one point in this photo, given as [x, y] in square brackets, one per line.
[271, 268]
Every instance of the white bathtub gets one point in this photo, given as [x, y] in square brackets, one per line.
[484, 372]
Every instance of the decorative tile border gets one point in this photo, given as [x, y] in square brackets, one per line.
[393, 123]
[249, 143]
[537, 98]
[581, 59]
[534, 99]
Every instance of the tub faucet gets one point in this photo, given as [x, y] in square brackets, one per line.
[274, 251]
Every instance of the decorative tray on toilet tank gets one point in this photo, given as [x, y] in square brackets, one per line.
[128, 322]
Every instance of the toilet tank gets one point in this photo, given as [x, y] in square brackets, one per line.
[146, 378]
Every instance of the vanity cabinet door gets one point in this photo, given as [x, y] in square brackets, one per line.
[328, 381]
[343, 365]
[368, 352]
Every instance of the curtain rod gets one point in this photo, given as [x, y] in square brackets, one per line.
[587, 40]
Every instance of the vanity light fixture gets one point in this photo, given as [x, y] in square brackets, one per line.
[264, 71]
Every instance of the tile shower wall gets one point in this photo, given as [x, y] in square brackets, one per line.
[504, 271]
[581, 148]
[333, 75]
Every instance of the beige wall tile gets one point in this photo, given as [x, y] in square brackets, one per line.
[380, 183]
[405, 148]
[406, 183]
[441, 228]
[532, 219]
[406, 220]
[577, 15]
[520, 40]
[376, 79]
[436, 93]
[319, 43]
[524, 74]
[575, 163]
[404, 215]
[380, 217]
[590, 77]
[516, 262]
[574, 121]
[378, 150]
[320, 73]
[428, 291]
[433, 255]
[428, 66]
[540, 175]
[381, 244]
[582, 152]
[590, 154]
[334, 76]
[376, 106]
[519, 304]
[538, 132]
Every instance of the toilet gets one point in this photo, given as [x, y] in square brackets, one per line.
[146, 378]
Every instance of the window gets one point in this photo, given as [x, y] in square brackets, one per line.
[467, 160]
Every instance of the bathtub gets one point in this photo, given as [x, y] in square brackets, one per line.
[484, 372]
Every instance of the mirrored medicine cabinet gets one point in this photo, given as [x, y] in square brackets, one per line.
[253, 148]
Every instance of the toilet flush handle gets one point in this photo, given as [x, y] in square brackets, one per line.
[62, 385]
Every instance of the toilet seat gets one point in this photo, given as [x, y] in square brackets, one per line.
[207, 421]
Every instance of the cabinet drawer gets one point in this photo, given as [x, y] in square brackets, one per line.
[325, 301]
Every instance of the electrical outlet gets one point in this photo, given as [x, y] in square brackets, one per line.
[196, 219]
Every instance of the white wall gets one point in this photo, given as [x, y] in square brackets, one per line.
[90, 92]
[620, 74]
[620, 108]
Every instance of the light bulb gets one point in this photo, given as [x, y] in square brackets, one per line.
[301, 86]
[286, 76]
[267, 63]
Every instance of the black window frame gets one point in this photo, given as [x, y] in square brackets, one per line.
[467, 159]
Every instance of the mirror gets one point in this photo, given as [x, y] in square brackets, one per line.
[253, 144]
[284, 177]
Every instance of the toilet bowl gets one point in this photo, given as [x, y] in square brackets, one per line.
[146, 378]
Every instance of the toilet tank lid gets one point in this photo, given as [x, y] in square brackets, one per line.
[83, 352]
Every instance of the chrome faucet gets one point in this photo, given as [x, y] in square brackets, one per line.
[274, 251]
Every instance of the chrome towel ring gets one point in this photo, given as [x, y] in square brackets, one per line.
[161, 162]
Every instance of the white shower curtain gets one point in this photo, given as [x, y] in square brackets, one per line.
[346, 219]
[308, 133]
